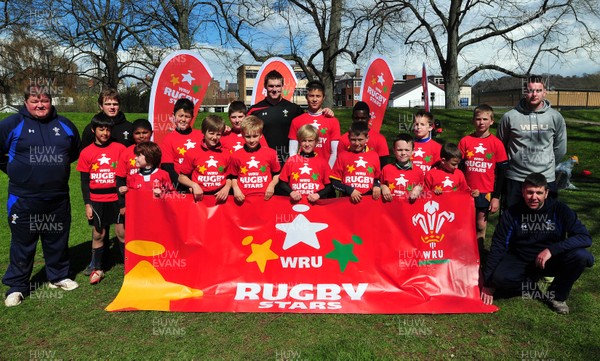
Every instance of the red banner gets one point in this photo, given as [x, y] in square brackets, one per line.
[425, 85]
[275, 256]
[289, 79]
[182, 74]
[375, 91]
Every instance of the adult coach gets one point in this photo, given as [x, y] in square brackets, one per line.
[538, 237]
[40, 146]
[535, 138]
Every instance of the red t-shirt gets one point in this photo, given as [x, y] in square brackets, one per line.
[305, 175]
[447, 182]
[399, 181]
[328, 128]
[376, 143]
[126, 166]
[235, 141]
[481, 156]
[254, 170]
[175, 146]
[207, 167]
[158, 178]
[358, 170]
[101, 163]
[425, 154]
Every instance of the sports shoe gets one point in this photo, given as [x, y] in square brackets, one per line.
[67, 284]
[13, 299]
[96, 276]
[559, 307]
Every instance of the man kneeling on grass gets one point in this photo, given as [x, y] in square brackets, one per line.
[538, 237]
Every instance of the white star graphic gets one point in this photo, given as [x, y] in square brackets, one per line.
[238, 146]
[103, 159]
[419, 152]
[380, 79]
[190, 144]
[315, 124]
[360, 162]
[401, 181]
[252, 163]
[447, 182]
[212, 162]
[480, 149]
[301, 230]
[305, 169]
[188, 77]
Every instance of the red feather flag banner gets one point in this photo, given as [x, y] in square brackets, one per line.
[425, 85]
[276, 256]
[259, 92]
[376, 87]
[182, 74]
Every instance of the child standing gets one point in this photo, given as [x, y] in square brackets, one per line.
[234, 141]
[356, 172]
[204, 170]
[401, 179]
[305, 173]
[255, 168]
[149, 177]
[426, 150]
[98, 164]
[445, 176]
[485, 162]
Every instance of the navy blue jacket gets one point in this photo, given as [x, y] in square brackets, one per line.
[37, 154]
[525, 233]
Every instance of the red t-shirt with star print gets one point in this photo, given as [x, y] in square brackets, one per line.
[425, 154]
[207, 167]
[480, 156]
[400, 181]
[447, 182]
[254, 169]
[101, 163]
[235, 141]
[175, 145]
[358, 170]
[126, 166]
[307, 175]
[376, 143]
[327, 127]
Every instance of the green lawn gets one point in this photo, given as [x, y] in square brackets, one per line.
[53, 324]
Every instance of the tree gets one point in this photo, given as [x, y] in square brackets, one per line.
[512, 31]
[312, 33]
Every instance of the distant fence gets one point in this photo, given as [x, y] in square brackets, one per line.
[558, 98]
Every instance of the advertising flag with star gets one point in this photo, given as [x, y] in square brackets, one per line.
[279, 256]
[259, 92]
[182, 74]
[375, 90]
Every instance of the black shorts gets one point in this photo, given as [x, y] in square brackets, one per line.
[482, 202]
[104, 214]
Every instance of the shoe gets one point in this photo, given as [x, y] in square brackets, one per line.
[96, 276]
[67, 284]
[13, 299]
[559, 307]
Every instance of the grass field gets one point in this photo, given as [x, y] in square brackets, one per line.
[52, 324]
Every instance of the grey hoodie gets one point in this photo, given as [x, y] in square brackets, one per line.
[534, 140]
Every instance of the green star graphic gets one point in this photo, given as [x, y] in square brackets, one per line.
[385, 89]
[113, 164]
[489, 155]
[263, 168]
[409, 188]
[221, 169]
[343, 253]
[323, 130]
[196, 88]
[427, 159]
[285, 92]
[315, 176]
[370, 169]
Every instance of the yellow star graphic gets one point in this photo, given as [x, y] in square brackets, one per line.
[261, 253]
[174, 80]
[373, 81]
[470, 154]
[144, 288]
[391, 186]
[201, 169]
[350, 168]
[182, 150]
[438, 188]
[243, 170]
[95, 166]
[295, 175]
[132, 162]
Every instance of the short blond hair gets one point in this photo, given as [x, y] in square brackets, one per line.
[307, 131]
[252, 124]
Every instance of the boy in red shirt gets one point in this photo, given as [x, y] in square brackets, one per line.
[98, 164]
[149, 177]
[401, 179]
[255, 168]
[356, 172]
[426, 150]
[204, 170]
[327, 126]
[445, 176]
[485, 162]
[305, 173]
